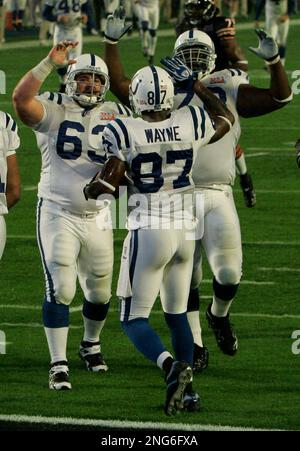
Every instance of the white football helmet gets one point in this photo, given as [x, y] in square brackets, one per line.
[196, 49]
[151, 89]
[88, 64]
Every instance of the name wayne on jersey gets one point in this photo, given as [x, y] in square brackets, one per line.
[9, 142]
[72, 8]
[70, 141]
[215, 164]
[160, 157]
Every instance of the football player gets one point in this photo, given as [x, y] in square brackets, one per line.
[147, 12]
[222, 240]
[9, 171]
[158, 151]
[223, 243]
[74, 236]
[203, 15]
[278, 23]
[68, 16]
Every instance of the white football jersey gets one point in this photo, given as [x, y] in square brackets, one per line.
[72, 8]
[9, 142]
[160, 157]
[215, 164]
[70, 141]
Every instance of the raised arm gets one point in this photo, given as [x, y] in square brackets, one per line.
[29, 109]
[115, 29]
[222, 118]
[253, 101]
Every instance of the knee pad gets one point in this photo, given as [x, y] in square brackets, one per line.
[224, 292]
[55, 315]
[64, 285]
[144, 25]
[98, 289]
[152, 33]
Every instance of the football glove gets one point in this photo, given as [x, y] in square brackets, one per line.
[297, 147]
[267, 48]
[178, 71]
[115, 26]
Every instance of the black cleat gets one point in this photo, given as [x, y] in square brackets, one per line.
[59, 376]
[90, 353]
[180, 375]
[191, 402]
[201, 356]
[224, 333]
[191, 399]
[248, 190]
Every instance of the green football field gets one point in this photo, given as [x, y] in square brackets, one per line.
[259, 387]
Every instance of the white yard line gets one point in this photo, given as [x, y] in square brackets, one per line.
[271, 149]
[248, 243]
[159, 312]
[246, 282]
[30, 188]
[118, 424]
[258, 154]
[283, 269]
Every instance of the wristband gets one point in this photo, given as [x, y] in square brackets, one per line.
[110, 40]
[43, 69]
[226, 120]
[275, 60]
[288, 99]
[108, 185]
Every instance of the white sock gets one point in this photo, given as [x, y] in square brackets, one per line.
[219, 307]
[241, 164]
[57, 343]
[161, 358]
[194, 322]
[92, 329]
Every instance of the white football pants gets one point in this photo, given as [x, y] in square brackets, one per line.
[221, 238]
[155, 261]
[74, 245]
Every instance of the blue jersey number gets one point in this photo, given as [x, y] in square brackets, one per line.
[63, 5]
[139, 176]
[64, 138]
[156, 172]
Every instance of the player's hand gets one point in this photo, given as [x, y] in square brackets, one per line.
[59, 54]
[267, 48]
[84, 19]
[115, 26]
[178, 71]
[63, 18]
[297, 148]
